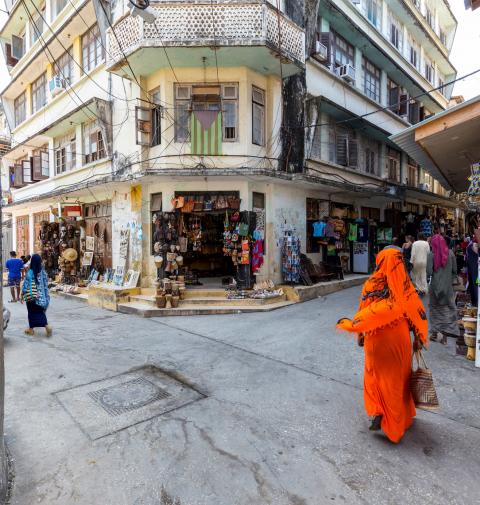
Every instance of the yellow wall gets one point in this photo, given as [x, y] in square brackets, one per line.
[245, 78]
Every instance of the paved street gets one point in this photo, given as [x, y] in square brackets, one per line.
[277, 419]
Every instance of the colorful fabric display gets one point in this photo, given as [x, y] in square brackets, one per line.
[257, 255]
[352, 232]
[319, 229]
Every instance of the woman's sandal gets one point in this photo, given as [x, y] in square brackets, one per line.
[376, 424]
[433, 337]
[48, 330]
[29, 331]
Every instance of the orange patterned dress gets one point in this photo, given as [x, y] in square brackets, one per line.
[389, 309]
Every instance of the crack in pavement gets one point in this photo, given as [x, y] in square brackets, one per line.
[291, 365]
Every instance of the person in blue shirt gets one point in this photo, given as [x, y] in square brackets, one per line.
[15, 267]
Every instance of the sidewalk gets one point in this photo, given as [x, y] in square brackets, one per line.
[261, 409]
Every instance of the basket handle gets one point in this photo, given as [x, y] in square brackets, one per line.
[420, 359]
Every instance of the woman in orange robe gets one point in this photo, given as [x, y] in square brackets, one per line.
[389, 309]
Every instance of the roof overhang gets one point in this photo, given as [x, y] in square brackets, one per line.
[446, 144]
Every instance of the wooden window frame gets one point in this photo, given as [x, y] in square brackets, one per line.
[39, 93]
[186, 105]
[93, 51]
[20, 108]
[93, 131]
[343, 53]
[258, 103]
[371, 80]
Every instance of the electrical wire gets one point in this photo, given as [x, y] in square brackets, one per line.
[55, 36]
[388, 107]
[44, 48]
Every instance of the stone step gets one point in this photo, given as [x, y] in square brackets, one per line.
[192, 292]
[145, 310]
[215, 301]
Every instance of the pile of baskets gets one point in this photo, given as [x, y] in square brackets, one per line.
[169, 293]
[469, 324]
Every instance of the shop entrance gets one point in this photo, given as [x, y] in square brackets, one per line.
[98, 226]
[202, 221]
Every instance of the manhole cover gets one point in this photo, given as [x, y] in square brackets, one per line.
[127, 396]
[104, 407]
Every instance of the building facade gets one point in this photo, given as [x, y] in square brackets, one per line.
[282, 109]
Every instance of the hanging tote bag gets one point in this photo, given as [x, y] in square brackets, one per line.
[421, 385]
[31, 293]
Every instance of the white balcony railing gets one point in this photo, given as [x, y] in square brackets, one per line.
[183, 24]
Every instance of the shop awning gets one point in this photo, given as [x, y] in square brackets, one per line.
[446, 144]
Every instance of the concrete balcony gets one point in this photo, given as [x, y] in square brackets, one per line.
[246, 33]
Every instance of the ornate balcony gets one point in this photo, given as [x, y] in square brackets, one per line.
[246, 33]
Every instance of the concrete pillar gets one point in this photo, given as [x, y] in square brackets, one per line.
[405, 49]
[324, 136]
[383, 88]
[28, 101]
[324, 25]
[50, 10]
[14, 233]
[384, 26]
[31, 234]
[51, 158]
[383, 161]
[403, 168]
[79, 146]
[358, 69]
[77, 56]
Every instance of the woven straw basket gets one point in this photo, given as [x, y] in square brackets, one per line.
[421, 385]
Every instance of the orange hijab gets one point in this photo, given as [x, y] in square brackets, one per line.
[387, 296]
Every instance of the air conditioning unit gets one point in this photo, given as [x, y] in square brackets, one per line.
[56, 85]
[321, 51]
[425, 186]
[347, 72]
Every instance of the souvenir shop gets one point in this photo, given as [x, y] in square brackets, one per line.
[341, 236]
[204, 235]
[77, 247]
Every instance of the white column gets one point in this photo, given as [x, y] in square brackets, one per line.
[358, 69]
[14, 233]
[324, 25]
[323, 119]
[49, 10]
[31, 234]
[383, 161]
[384, 27]
[79, 146]
[383, 88]
[51, 158]
[403, 168]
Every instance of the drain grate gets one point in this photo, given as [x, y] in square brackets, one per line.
[127, 396]
[112, 404]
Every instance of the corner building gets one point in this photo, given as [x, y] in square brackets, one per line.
[281, 109]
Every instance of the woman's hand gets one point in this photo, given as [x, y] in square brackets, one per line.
[417, 344]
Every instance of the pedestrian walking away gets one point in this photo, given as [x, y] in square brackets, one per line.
[442, 266]
[35, 294]
[407, 252]
[471, 255]
[389, 309]
[418, 259]
[15, 267]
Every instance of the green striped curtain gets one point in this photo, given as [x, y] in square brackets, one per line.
[206, 132]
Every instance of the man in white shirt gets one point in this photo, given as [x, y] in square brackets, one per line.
[420, 250]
